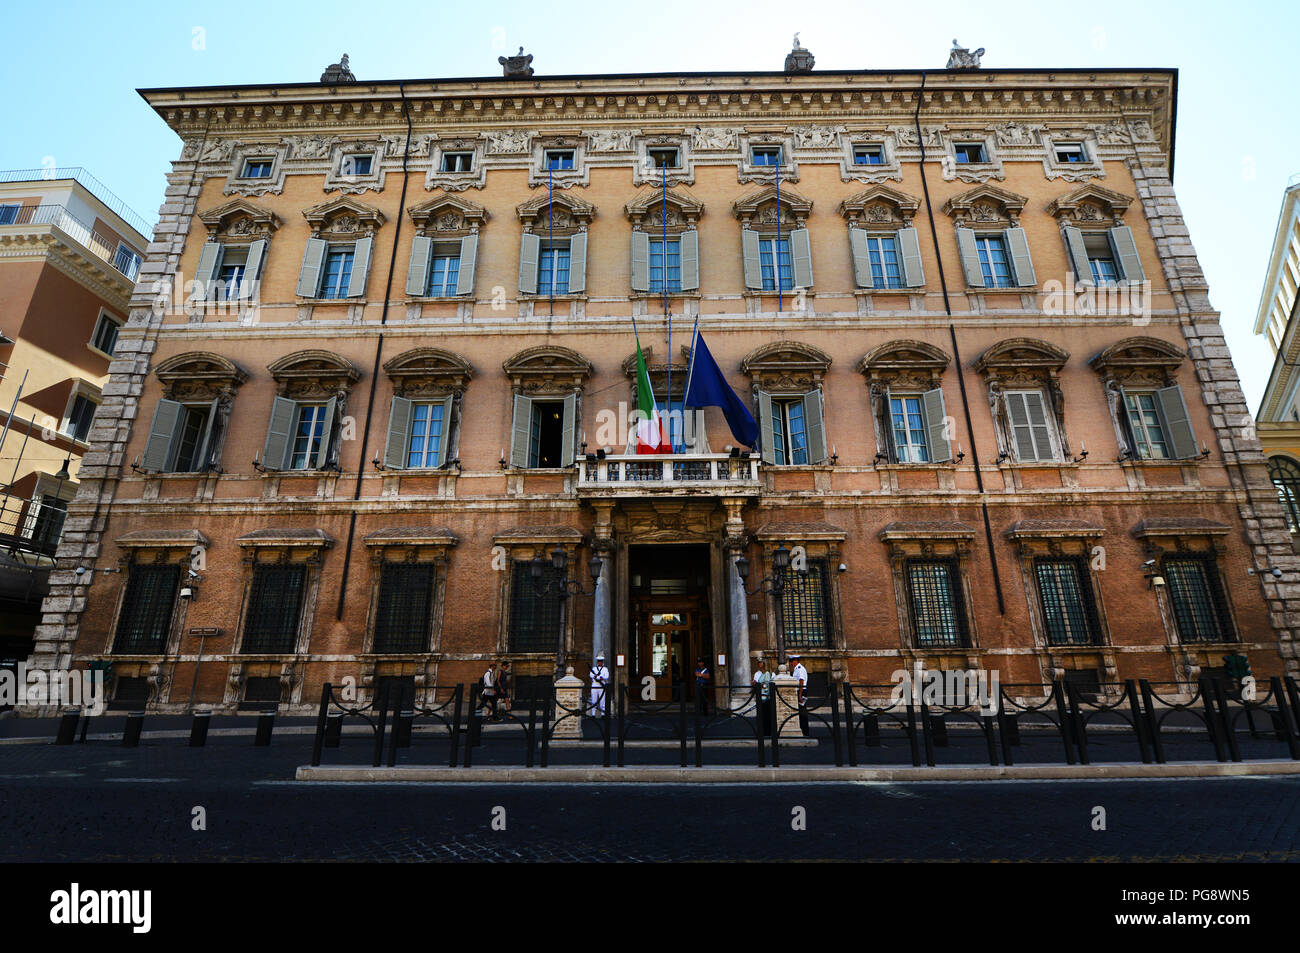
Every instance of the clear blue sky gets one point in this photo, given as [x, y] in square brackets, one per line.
[73, 68]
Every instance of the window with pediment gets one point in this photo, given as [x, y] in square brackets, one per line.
[1100, 246]
[312, 389]
[192, 418]
[256, 168]
[423, 423]
[234, 255]
[444, 251]
[547, 382]
[457, 164]
[558, 162]
[1147, 406]
[908, 411]
[788, 380]
[1025, 398]
[885, 246]
[553, 246]
[336, 260]
[665, 241]
[356, 165]
[663, 159]
[993, 248]
[774, 240]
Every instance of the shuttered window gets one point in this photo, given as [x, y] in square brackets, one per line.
[882, 251]
[309, 436]
[81, 416]
[774, 260]
[1146, 425]
[534, 609]
[665, 265]
[907, 420]
[1031, 434]
[553, 270]
[405, 607]
[426, 439]
[789, 436]
[146, 616]
[1286, 478]
[444, 272]
[994, 265]
[274, 609]
[336, 274]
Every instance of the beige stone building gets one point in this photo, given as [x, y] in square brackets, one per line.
[380, 359]
[70, 252]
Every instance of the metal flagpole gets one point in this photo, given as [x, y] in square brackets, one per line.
[663, 272]
[550, 232]
[776, 252]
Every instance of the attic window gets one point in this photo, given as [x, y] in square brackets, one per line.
[765, 155]
[558, 160]
[868, 155]
[258, 168]
[969, 152]
[1070, 152]
[457, 161]
[665, 158]
[356, 164]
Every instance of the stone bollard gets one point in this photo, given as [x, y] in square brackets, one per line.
[568, 695]
[787, 705]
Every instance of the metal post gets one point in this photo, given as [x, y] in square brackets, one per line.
[849, 727]
[1058, 694]
[547, 724]
[457, 698]
[532, 730]
[199, 729]
[835, 728]
[776, 728]
[911, 734]
[925, 733]
[1210, 720]
[1153, 723]
[380, 724]
[622, 719]
[1004, 733]
[320, 725]
[1286, 717]
[68, 728]
[604, 698]
[760, 723]
[699, 737]
[1224, 721]
[1077, 726]
[681, 718]
[265, 724]
[987, 723]
[134, 725]
[1130, 690]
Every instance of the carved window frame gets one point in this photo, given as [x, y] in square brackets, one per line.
[195, 377]
[315, 376]
[417, 546]
[475, 178]
[936, 540]
[979, 172]
[823, 542]
[154, 551]
[1136, 363]
[336, 180]
[1025, 364]
[644, 171]
[890, 170]
[539, 177]
[522, 545]
[1072, 171]
[431, 374]
[237, 184]
[766, 174]
[911, 367]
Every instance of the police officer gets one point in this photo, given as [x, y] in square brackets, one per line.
[599, 676]
[801, 676]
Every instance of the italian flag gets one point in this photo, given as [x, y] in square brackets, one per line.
[651, 437]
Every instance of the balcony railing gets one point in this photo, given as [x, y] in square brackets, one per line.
[641, 474]
[30, 527]
[96, 187]
[117, 254]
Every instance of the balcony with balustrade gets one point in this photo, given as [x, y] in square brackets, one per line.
[680, 474]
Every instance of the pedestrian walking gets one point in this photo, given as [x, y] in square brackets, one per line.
[489, 683]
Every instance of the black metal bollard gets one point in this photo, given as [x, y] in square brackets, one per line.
[333, 729]
[265, 722]
[68, 728]
[199, 729]
[402, 729]
[134, 725]
[871, 730]
[939, 730]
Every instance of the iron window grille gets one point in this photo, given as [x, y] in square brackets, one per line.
[146, 616]
[806, 606]
[405, 608]
[534, 609]
[938, 617]
[1065, 592]
[1286, 478]
[274, 609]
[1200, 608]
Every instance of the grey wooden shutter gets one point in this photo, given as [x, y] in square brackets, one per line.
[815, 426]
[1022, 266]
[1126, 254]
[568, 431]
[417, 272]
[399, 434]
[1078, 253]
[276, 450]
[749, 249]
[158, 451]
[1038, 426]
[861, 258]
[327, 434]
[313, 257]
[207, 456]
[1029, 430]
[801, 257]
[360, 267]
[468, 262]
[970, 258]
[935, 424]
[887, 428]
[578, 263]
[1178, 424]
[209, 260]
[909, 258]
[530, 247]
[521, 431]
[252, 268]
[640, 261]
[766, 441]
[445, 442]
[690, 258]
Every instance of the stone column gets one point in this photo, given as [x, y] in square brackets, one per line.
[602, 610]
[787, 704]
[739, 606]
[568, 693]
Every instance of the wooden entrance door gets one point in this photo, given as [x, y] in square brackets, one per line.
[670, 644]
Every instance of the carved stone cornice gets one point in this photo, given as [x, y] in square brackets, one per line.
[1090, 204]
[344, 218]
[240, 220]
[547, 368]
[428, 372]
[985, 204]
[563, 212]
[646, 211]
[1136, 355]
[199, 374]
[447, 216]
[313, 373]
[903, 359]
[880, 206]
[785, 365]
[760, 207]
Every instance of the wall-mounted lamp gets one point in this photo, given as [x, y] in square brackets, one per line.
[1003, 455]
[880, 455]
[1205, 451]
[376, 462]
[502, 461]
[1273, 571]
[1152, 574]
[257, 465]
[1083, 453]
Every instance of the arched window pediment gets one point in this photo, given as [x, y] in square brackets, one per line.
[239, 220]
[448, 216]
[985, 205]
[343, 218]
[764, 206]
[199, 375]
[880, 205]
[1090, 204]
[547, 368]
[428, 372]
[646, 211]
[1020, 354]
[913, 360]
[563, 212]
[1139, 358]
[786, 364]
[313, 373]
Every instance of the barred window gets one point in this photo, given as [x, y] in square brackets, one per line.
[405, 607]
[274, 609]
[1066, 595]
[805, 606]
[1199, 604]
[534, 609]
[1286, 478]
[938, 618]
[146, 616]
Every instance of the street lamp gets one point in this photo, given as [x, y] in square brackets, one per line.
[780, 563]
[564, 587]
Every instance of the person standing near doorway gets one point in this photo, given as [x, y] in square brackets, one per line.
[702, 678]
[503, 687]
[599, 681]
[801, 677]
[490, 690]
[763, 682]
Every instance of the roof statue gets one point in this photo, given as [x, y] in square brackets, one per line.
[338, 72]
[516, 65]
[798, 60]
[962, 58]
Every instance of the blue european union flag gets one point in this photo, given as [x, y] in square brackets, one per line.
[708, 388]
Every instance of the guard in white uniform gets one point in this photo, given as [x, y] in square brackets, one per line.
[599, 676]
[801, 676]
